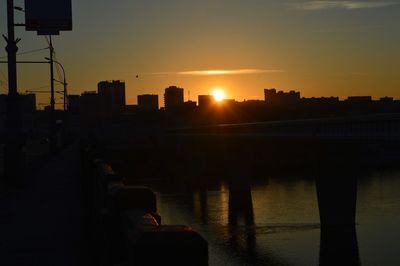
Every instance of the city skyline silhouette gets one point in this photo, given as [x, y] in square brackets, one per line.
[336, 49]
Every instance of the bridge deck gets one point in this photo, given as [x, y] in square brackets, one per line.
[41, 224]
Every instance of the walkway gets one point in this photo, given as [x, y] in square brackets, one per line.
[41, 224]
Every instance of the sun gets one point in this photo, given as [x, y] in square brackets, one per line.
[218, 94]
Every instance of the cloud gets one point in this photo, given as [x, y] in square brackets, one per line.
[216, 72]
[229, 72]
[348, 5]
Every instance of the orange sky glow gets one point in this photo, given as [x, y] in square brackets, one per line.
[337, 49]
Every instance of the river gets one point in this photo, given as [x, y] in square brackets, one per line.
[275, 220]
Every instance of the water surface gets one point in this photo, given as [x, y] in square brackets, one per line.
[275, 220]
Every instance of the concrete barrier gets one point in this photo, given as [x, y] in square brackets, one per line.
[172, 245]
[124, 224]
[124, 198]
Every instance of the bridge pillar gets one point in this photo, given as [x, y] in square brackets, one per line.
[339, 246]
[337, 200]
[337, 185]
[338, 168]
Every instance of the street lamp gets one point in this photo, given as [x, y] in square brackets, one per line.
[64, 82]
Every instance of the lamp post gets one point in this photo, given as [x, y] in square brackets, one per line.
[64, 82]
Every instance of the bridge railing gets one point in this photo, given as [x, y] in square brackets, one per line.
[123, 225]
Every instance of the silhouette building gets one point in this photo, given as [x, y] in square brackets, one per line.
[273, 97]
[321, 100]
[386, 100]
[28, 103]
[89, 103]
[112, 96]
[191, 105]
[74, 103]
[173, 97]
[206, 101]
[359, 99]
[131, 108]
[148, 102]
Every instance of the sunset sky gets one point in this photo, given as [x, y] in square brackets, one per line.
[322, 48]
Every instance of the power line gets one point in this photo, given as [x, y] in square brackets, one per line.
[32, 51]
[3, 80]
[27, 52]
[47, 40]
[41, 87]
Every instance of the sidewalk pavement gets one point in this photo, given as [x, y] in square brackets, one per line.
[42, 223]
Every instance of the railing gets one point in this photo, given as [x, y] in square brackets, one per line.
[123, 225]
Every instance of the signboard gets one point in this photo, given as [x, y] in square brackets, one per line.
[48, 17]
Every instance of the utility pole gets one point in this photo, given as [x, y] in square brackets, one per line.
[52, 100]
[11, 50]
[64, 82]
[53, 138]
[14, 155]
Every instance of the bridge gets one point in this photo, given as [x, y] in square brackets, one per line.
[335, 150]
[381, 127]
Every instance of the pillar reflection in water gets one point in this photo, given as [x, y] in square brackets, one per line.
[240, 203]
[202, 208]
[241, 217]
[339, 246]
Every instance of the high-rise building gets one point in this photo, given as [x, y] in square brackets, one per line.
[206, 101]
[173, 97]
[148, 102]
[112, 96]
